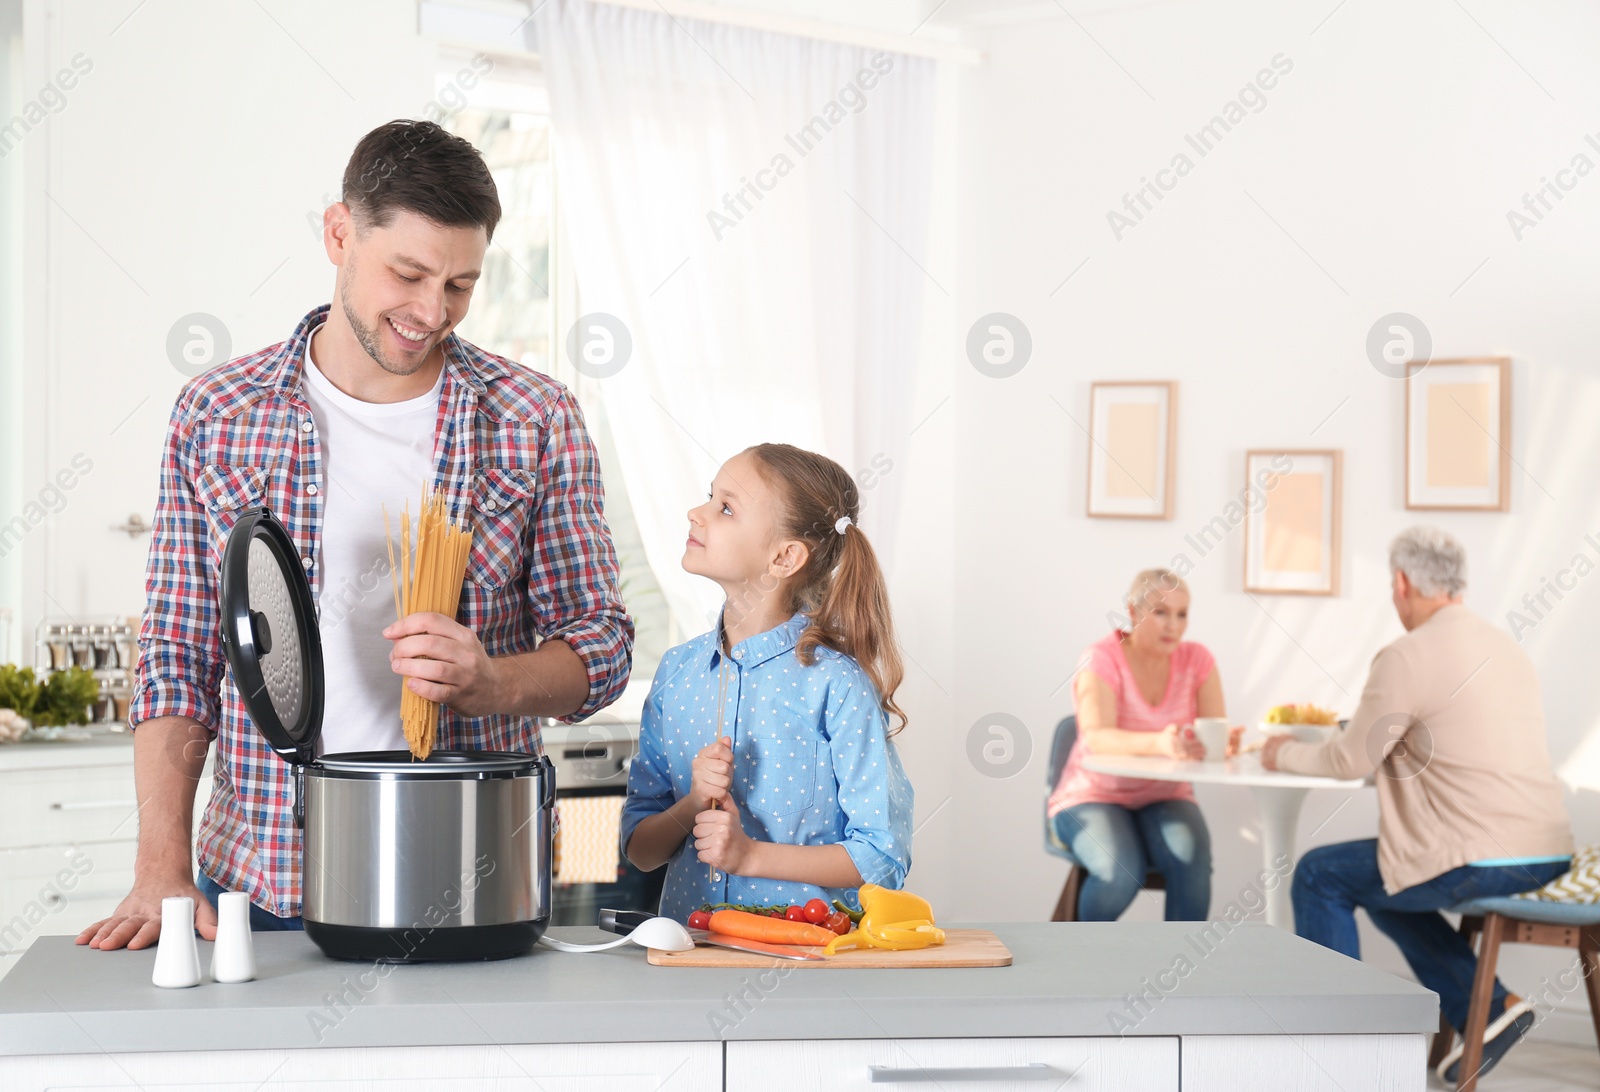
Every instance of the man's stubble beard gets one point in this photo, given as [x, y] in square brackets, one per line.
[368, 337]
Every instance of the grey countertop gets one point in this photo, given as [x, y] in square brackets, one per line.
[103, 747]
[1066, 980]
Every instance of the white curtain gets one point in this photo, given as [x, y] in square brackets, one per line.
[753, 208]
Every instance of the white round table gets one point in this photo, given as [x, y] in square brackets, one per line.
[1279, 796]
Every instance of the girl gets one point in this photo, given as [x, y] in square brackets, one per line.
[765, 772]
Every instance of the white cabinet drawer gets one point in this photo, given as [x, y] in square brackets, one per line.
[1305, 1063]
[586, 1067]
[56, 874]
[954, 1065]
[58, 806]
[37, 866]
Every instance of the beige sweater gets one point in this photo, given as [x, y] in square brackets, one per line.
[1452, 723]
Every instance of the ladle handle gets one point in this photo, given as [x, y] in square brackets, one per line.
[564, 946]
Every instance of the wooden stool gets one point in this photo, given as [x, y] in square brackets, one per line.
[1517, 921]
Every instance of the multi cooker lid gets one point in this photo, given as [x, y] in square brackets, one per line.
[446, 765]
[270, 636]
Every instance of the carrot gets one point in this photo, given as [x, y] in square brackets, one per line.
[748, 926]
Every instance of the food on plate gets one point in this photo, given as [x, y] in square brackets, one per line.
[747, 926]
[891, 920]
[1300, 714]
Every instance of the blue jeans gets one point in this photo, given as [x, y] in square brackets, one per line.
[1116, 847]
[1331, 881]
[260, 920]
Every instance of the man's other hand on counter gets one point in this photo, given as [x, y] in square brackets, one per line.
[136, 923]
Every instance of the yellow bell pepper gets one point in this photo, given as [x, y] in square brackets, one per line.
[890, 920]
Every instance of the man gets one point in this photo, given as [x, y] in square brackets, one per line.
[366, 403]
[1451, 724]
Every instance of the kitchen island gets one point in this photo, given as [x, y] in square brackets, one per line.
[1131, 1005]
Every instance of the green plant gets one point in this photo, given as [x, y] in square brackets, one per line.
[19, 689]
[63, 698]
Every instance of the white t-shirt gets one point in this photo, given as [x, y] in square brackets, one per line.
[374, 456]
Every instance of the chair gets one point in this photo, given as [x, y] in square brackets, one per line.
[1067, 904]
[1505, 920]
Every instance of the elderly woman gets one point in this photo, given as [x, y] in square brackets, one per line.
[1138, 692]
[1451, 725]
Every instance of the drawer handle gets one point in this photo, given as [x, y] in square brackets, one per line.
[888, 1074]
[89, 805]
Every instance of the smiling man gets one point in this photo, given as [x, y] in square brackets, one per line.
[368, 401]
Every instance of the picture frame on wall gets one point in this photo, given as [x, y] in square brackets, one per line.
[1133, 434]
[1292, 539]
[1458, 435]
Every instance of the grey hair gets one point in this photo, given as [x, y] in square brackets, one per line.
[1151, 582]
[1434, 562]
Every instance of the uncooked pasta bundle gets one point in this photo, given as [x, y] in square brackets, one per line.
[428, 578]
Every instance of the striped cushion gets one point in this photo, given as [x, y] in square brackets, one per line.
[1579, 884]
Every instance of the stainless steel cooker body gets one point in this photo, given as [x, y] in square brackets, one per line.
[415, 861]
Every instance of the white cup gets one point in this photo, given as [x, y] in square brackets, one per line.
[1212, 732]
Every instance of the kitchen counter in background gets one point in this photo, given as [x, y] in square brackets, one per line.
[1118, 1004]
[68, 828]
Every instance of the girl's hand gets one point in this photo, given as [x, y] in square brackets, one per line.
[720, 838]
[1178, 741]
[711, 775]
[1235, 738]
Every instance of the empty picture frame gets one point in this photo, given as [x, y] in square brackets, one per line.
[1458, 434]
[1291, 543]
[1133, 431]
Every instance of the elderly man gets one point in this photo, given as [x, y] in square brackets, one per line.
[1451, 725]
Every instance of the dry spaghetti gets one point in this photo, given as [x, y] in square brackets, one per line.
[427, 578]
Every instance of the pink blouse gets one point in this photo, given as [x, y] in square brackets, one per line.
[1191, 666]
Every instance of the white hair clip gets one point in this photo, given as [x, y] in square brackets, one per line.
[841, 523]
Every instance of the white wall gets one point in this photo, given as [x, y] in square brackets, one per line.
[176, 179]
[1389, 156]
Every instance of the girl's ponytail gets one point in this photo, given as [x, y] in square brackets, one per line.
[841, 587]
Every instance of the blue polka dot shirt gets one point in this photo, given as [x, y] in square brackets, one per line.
[812, 764]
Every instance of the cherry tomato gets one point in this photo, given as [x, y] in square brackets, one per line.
[700, 919]
[794, 913]
[817, 911]
[839, 923]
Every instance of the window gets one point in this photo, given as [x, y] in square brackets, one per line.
[527, 293]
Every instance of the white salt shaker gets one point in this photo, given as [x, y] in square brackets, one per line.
[177, 954]
[233, 957]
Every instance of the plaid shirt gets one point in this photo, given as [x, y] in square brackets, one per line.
[510, 445]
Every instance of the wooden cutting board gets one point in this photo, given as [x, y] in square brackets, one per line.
[961, 948]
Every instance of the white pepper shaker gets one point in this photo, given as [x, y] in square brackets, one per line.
[233, 957]
[177, 954]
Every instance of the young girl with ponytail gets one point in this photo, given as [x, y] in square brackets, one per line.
[766, 774]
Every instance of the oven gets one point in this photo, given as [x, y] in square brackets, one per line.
[591, 760]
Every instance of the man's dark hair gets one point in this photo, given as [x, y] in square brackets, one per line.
[419, 167]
